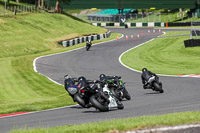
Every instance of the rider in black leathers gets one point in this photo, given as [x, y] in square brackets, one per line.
[146, 75]
[88, 44]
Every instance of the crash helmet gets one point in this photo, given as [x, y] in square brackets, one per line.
[81, 78]
[102, 76]
[144, 69]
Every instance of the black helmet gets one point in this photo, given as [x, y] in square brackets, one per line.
[102, 76]
[144, 69]
[81, 78]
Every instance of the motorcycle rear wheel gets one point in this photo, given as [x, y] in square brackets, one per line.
[158, 87]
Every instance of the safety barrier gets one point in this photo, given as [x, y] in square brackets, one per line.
[192, 43]
[149, 24]
[75, 41]
[139, 24]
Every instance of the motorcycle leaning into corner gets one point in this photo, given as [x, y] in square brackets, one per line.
[87, 88]
[88, 45]
[151, 81]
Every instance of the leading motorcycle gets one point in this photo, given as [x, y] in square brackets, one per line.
[88, 45]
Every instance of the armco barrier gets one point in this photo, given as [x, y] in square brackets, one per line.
[75, 41]
[138, 24]
[149, 24]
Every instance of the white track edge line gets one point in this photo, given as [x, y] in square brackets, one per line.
[165, 128]
[34, 62]
[140, 71]
[35, 69]
[39, 111]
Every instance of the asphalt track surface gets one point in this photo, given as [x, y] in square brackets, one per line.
[181, 94]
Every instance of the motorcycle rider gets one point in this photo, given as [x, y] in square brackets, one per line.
[145, 77]
[88, 44]
[103, 77]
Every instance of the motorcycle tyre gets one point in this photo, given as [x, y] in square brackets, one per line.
[87, 48]
[97, 105]
[121, 106]
[158, 87]
[113, 90]
[127, 95]
[79, 100]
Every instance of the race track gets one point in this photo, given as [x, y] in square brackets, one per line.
[181, 94]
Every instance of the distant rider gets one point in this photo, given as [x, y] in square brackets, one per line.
[145, 77]
[88, 44]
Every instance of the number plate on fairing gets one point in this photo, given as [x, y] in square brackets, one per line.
[112, 100]
[72, 90]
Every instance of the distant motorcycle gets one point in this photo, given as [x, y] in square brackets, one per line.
[117, 86]
[88, 45]
[153, 84]
[70, 85]
[104, 100]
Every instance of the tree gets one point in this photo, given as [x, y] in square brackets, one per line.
[39, 3]
[61, 1]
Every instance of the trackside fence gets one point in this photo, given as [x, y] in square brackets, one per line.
[83, 39]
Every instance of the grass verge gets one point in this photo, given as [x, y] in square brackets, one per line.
[165, 56]
[122, 124]
[23, 39]
[170, 33]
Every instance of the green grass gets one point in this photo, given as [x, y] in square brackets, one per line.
[170, 33]
[122, 124]
[165, 56]
[23, 38]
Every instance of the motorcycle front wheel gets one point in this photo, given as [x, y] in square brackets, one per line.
[127, 95]
[87, 48]
[79, 100]
[97, 104]
[116, 93]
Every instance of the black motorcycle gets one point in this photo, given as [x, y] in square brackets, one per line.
[70, 85]
[87, 88]
[88, 45]
[117, 86]
[153, 84]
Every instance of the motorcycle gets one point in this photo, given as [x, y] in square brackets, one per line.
[87, 88]
[153, 84]
[88, 45]
[104, 100]
[117, 86]
[70, 85]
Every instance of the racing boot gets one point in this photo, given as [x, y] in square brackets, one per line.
[119, 104]
[145, 86]
[88, 105]
[105, 96]
[160, 83]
